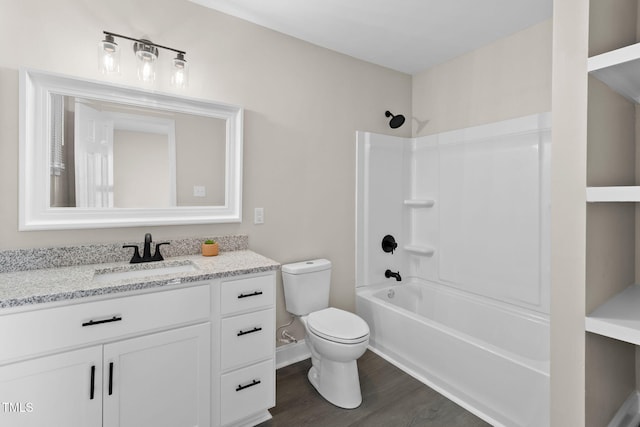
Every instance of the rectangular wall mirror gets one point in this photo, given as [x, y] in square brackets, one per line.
[96, 155]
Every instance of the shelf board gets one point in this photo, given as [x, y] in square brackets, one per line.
[420, 250]
[619, 317]
[614, 194]
[620, 70]
[419, 203]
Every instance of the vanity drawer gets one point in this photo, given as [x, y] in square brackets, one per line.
[247, 294]
[247, 338]
[47, 330]
[246, 391]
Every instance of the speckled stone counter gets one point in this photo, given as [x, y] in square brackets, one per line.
[39, 258]
[20, 288]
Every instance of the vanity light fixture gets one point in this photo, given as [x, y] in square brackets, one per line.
[147, 54]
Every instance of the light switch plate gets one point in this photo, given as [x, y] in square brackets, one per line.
[199, 191]
[258, 216]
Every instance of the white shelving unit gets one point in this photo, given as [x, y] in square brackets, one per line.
[619, 317]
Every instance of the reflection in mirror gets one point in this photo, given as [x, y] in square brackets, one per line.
[98, 155]
[107, 155]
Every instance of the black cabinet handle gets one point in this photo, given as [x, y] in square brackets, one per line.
[110, 378]
[253, 294]
[242, 387]
[93, 381]
[98, 322]
[250, 331]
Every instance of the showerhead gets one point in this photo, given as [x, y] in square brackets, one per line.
[396, 121]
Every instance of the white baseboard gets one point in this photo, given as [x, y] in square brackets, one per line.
[289, 354]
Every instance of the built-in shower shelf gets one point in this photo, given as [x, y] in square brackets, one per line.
[420, 250]
[618, 317]
[628, 193]
[620, 70]
[419, 203]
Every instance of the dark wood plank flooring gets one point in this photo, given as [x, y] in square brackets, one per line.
[391, 398]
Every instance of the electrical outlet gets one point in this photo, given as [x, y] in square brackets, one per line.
[258, 216]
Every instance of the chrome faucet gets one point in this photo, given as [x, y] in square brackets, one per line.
[146, 252]
[390, 273]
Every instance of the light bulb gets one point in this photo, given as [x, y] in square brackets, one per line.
[108, 55]
[147, 55]
[180, 72]
[146, 71]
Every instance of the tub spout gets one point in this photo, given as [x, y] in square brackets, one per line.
[390, 273]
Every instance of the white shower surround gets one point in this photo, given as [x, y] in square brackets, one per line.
[470, 212]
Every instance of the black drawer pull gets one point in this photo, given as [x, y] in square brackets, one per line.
[242, 387]
[98, 322]
[93, 381]
[253, 294]
[110, 378]
[250, 331]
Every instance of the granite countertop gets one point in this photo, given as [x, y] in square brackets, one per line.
[58, 284]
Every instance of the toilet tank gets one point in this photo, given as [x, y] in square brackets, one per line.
[306, 286]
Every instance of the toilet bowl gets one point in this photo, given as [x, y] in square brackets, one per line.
[336, 338]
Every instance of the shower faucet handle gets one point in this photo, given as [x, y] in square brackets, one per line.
[389, 243]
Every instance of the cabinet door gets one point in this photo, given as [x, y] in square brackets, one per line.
[159, 380]
[63, 390]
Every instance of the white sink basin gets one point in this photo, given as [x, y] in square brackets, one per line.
[135, 271]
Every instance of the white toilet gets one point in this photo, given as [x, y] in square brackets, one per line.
[335, 337]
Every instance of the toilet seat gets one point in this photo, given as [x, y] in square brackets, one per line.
[338, 326]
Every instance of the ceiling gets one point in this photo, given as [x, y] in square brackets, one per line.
[404, 35]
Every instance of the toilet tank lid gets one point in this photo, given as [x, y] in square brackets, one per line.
[304, 267]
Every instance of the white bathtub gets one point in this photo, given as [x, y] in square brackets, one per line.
[489, 358]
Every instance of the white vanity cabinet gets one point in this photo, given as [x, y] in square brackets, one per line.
[141, 360]
[247, 349]
[201, 355]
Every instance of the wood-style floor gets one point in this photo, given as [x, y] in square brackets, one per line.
[390, 398]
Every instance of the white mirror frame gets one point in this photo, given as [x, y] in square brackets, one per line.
[35, 212]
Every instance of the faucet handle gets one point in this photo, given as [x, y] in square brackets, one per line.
[389, 243]
[157, 256]
[136, 254]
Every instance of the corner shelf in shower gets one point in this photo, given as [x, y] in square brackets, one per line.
[620, 70]
[419, 203]
[420, 250]
[623, 193]
[618, 317]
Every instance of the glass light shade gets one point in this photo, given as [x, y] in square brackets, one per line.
[108, 56]
[180, 72]
[146, 55]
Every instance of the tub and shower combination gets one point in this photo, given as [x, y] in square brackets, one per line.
[470, 212]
